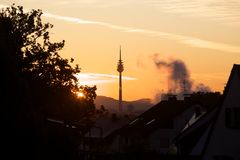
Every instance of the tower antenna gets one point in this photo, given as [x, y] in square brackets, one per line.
[120, 69]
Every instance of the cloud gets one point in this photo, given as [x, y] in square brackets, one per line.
[221, 10]
[97, 78]
[99, 3]
[191, 41]
[70, 19]
[3, 6]
[210, 45]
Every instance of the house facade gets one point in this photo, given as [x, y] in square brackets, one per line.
[224, 138]
[216, 136]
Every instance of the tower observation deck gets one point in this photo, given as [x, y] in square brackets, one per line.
[120, 69]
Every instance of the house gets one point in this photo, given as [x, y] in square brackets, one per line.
[92, 143]
[154, 130]
[216, 135]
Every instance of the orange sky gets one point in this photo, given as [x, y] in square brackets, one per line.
[202, 33]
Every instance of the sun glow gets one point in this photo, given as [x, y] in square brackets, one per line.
[80, 94]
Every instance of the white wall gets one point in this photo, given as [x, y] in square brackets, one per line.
[226, 141]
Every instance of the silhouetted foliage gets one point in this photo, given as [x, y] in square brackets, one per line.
[51, 76]
[37, 57]
[39, 84]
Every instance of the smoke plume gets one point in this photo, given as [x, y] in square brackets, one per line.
[179, 78]
[179, 81]
[202, 88]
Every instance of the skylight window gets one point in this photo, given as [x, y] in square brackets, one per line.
[131, 123]
[150, 122]
[56, 121]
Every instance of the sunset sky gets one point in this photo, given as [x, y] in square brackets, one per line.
[204, 34]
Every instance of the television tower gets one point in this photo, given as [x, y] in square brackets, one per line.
[120, 69]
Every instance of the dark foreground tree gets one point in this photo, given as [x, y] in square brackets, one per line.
[38, 84]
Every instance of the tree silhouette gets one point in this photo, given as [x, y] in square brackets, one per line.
[37, 57]
[38, 84]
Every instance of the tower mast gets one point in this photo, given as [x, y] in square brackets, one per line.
[120, 69]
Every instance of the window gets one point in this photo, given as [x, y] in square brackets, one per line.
[232, 117]
[149, 122]
[133, 121]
